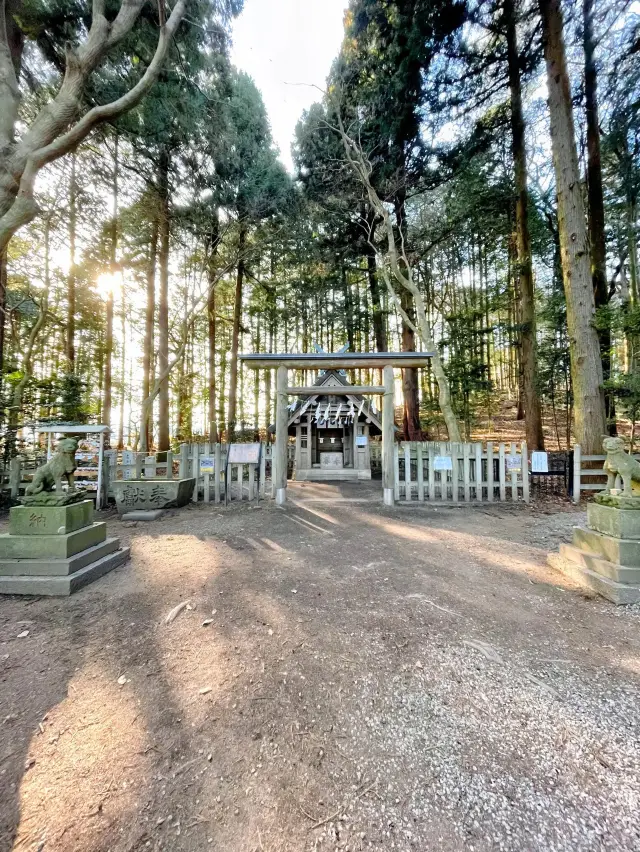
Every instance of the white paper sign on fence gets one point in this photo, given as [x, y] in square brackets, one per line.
[514, 463]
[207, 465]
[539, 462]
[361, 441]
[443, 463]
[244, 454]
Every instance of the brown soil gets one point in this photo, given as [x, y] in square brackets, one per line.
[408, 679]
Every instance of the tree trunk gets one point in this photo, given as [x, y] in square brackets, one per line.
[3, 310]
[71, 278]
[379, 330]
[163, 307]
[586, 364]
[526, 290]
[595, 198]
[146, 432]
[411, 417]
[237, 316]
[108, 353]
[211, 331]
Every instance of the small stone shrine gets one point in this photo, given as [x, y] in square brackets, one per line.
[606, 556]
[54, 547]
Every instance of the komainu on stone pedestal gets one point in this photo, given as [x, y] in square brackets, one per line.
[40, 492]
[621, 469]
[605, 557]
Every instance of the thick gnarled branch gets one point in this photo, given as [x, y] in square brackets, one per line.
[47, 139]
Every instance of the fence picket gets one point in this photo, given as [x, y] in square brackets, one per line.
[490, 483]
[396, 467]
[466, 472]
[478, 453]
[502, 473]
[407, 471]
[525, 472]
[514, 477]
[419, 471]
[431, 482]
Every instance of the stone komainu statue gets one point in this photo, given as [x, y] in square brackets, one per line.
[60, 465]
[620, 466]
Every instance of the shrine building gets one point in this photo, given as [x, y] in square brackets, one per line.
[333, 431]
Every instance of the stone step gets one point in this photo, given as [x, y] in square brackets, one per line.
[51, 546]
[619, 523]
[57, 567]
[618, 593]
[63, 586]
[620, 551]
[619, 573]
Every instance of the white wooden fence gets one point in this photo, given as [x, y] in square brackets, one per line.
[478, 474]
[592, 471]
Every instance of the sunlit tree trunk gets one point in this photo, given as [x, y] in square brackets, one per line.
[149, 317]
[526, 290]
[163, 306]
[71, 278]
[235, 339]
[586, 364]
[595, 199]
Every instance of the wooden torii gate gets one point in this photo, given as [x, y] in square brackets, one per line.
[325, 361]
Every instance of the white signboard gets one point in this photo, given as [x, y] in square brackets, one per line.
[514, 463]
[207, 465]
[539, 462]
[244, 454]
[361, 441]
[443, 463]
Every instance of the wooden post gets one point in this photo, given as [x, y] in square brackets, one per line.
[490, 486]
[502, 473]
[183, 469]
[577, 467]
[218, 470]
[262, 479]
[420, 472]
[479, 473]
[407, 471]
[280, 455]
[455, 473]
[100, 472]
[388, 477]
[207, 481]
[514, 477]
[466, 475]
[525, 471]
[431, 474]
[195, 470]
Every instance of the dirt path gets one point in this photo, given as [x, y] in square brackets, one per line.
[407, 679]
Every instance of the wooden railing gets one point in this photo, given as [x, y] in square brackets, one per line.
[476, 474]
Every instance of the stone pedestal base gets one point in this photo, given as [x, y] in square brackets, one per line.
[605, 557]
[55, 550]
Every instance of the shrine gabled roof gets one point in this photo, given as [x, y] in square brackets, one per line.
[333, 378]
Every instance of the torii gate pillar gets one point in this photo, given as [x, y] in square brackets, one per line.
[280, 459]
[388, 477]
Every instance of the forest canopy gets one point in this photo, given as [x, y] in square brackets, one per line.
[466, 183]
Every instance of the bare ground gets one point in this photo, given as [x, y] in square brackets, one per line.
[391, 679]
